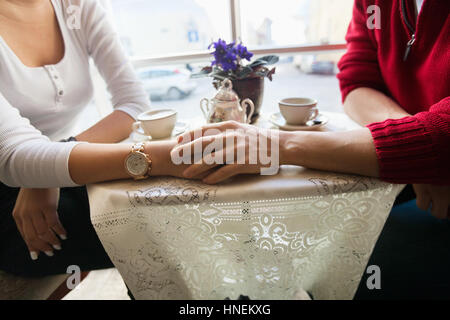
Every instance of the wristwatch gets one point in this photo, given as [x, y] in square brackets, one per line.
[138, 164]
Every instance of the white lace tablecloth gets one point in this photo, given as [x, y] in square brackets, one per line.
[265, 237]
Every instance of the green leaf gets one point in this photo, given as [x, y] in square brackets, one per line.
[261, 74]
[218, 72]
[270, 59]
[244, 72]
[205, 72]
[257, 63]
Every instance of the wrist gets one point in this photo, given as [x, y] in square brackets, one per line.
[291, 148]
[160, 155]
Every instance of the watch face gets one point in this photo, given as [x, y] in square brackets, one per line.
[137, 164]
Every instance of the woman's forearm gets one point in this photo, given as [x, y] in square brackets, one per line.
[90, 163]
[366, 106]
[347, 152]
[113, 128]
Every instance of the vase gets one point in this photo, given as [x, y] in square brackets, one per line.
[253, 89]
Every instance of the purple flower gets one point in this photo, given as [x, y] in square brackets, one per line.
[224, 55]
[221, 50]
[227, 56]
[229, 62]
[243, 52]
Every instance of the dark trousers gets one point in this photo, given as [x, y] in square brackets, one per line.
[82, 248]
[413, 253]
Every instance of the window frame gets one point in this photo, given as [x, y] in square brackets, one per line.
[235, 24]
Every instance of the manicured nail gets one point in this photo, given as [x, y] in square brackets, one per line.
[63, 236]
[56, 247]
[180, 138]
[49, 253]
[187, 174]
[33, 255]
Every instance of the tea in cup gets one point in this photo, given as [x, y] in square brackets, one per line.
[298, 111]
[158, 124]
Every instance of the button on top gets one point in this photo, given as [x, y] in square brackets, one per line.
[58, 83]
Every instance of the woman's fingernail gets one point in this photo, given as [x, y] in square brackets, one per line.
[180, 138]
[49, 253]
[63, 236]
[33, 255]
[56, 247]
[187, 174]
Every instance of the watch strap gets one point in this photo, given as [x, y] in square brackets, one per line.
[71, 139]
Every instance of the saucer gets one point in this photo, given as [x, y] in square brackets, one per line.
[278, 120]
[180, 128]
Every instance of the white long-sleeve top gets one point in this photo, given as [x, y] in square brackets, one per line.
[38, 104]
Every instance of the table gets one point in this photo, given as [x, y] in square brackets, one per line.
[266, 237]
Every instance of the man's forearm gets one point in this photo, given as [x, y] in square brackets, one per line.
[347, 152]
[366, 106]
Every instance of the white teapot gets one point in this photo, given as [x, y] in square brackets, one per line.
[226, 106]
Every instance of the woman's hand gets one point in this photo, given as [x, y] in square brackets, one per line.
[224, 150]
[37, 219]
[438, 197]
[162, 164]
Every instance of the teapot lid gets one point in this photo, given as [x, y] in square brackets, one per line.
[226, 92]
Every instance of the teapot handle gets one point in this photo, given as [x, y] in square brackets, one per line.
[249, 103]
[205, 113]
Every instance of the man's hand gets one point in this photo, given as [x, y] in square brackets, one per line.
[37, 220]
[438, 197]
[221, 151]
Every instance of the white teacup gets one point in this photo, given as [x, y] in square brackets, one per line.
[158, 124]
[298, 111]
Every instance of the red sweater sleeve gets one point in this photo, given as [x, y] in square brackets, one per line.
[415, 149]
[359, 65]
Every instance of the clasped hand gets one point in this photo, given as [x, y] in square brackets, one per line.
[220, 151]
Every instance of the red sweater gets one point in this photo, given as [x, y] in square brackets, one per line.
[413, 149]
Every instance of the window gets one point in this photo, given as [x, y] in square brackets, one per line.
[186, 27]
[266, 23]
[170, 27]
[167, 40]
